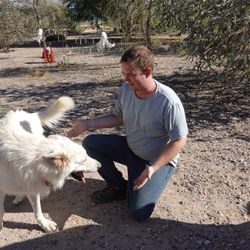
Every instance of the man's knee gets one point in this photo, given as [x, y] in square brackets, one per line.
[141, 214]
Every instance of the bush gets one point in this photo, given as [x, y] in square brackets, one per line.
[218, 33]
[16, 24]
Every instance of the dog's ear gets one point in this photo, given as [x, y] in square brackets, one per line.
[61, 161]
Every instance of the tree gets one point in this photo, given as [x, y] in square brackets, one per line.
[37, 13]
[16, 23]
[217, 33]
[131, 16]
[91, 10]
[139, 16]
[20, 19]
[51, 14]
[127, 16]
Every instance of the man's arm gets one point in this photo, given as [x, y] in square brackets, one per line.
[106, 121]
[168, 154]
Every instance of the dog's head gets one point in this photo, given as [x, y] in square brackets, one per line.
[68, 159]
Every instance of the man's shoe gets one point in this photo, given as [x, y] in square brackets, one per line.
[107, 195]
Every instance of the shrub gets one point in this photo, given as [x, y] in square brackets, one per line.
[218, 33]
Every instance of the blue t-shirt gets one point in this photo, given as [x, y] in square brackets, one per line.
[151, 123]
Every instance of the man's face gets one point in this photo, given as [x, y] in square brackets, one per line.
[134, 76]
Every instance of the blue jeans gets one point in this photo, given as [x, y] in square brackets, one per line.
[108, 149]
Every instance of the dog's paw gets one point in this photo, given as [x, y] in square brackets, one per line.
[48, 225]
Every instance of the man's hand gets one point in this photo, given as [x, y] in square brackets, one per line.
[144, 177]
[79, 126]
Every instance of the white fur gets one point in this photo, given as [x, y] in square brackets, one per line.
[32, 164]
[104, 43]
[40, 36]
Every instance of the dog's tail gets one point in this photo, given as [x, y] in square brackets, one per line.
[55, 111]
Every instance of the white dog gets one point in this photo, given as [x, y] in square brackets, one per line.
[31, 164]
[104, 43]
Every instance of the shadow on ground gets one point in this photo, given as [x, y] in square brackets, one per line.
[120, 232]
[158, 234]
[208, 101]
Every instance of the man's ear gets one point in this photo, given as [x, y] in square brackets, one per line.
[60, 161]
[148, 72]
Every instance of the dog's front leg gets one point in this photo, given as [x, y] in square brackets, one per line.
[45, 224]
[2, 196]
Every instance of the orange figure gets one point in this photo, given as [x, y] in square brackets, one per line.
[48, 54]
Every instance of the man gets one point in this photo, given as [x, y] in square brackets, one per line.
[156, 131]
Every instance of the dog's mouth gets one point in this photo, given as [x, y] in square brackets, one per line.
[78, 176]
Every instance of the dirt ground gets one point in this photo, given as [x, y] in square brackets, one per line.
[206, 205]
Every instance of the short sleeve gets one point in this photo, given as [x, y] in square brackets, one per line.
[117, 109]
[175, 121]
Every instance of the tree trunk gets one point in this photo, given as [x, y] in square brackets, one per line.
[148, 25]
[38, 16]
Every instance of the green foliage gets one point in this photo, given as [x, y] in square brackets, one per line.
[91, 10]
[16, 23]
[140, 16]
[156, 43]
[79, 29]
[127, 15]
[53, 16]
[20, 19]
[217, 33]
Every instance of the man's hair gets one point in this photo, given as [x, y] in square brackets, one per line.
[140, 55]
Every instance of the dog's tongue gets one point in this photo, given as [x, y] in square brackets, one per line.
[78, 176]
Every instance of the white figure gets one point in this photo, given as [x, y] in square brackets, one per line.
[40, 36]
[104, 42]
[104, 35]
[48, 49]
